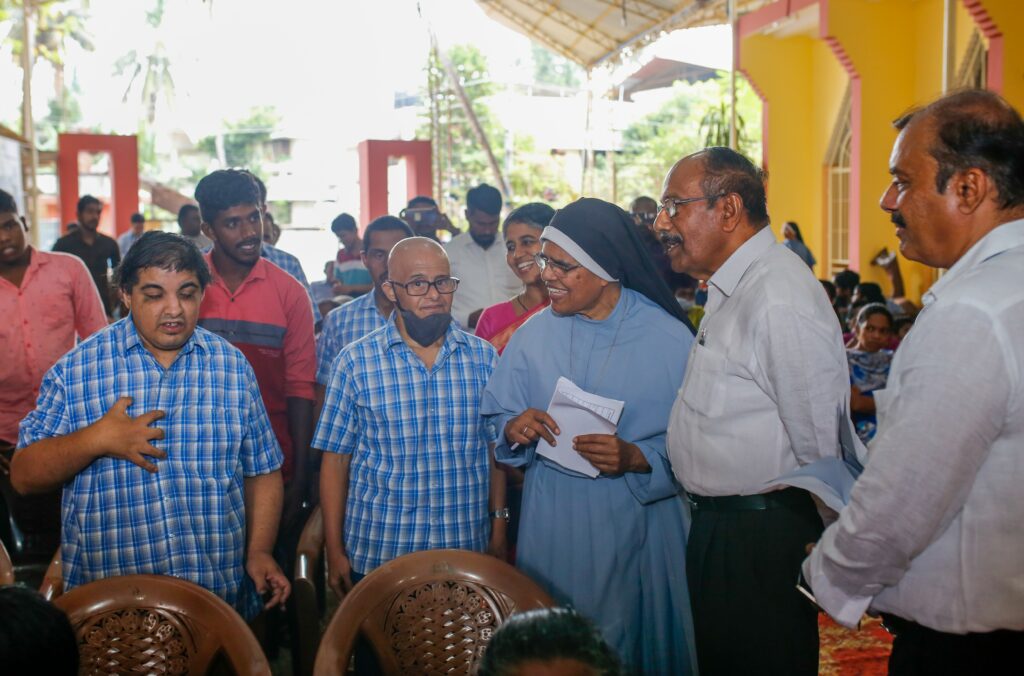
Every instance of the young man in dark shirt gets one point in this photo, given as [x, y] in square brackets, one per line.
[98, 251]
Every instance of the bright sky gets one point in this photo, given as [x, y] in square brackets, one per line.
[331, 66]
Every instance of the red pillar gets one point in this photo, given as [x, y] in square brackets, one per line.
[124, 177]
[373, 174]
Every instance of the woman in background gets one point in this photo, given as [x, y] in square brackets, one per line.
[794, 241]
[869, 361]
[521, 232]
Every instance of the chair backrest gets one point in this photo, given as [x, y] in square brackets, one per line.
[158, 624]
[6, 566]
[428, 612]
[53, 579]
[307, 590]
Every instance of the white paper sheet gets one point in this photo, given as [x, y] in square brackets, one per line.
[578, 412]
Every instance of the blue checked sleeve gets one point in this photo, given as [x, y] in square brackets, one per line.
[337, 431]
[327, 348]
[50, 417]
[260, 452]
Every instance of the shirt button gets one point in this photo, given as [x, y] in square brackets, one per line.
[434, 484]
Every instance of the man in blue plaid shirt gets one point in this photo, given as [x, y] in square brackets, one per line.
[370, 311]
[197, 497]
[407, 465]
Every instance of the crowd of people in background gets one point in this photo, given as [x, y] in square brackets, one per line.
[191, 398]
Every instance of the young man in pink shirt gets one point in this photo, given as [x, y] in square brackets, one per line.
[47, 302]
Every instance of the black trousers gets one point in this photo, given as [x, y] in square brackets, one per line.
[920, 651]
[742, 567]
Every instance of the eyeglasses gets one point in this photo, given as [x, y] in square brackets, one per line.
[559, 268]
[671, 204]
[420, 287]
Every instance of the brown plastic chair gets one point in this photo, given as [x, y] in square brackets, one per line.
[53, 579]
[6, 566]
[158, 624]
[307, 592]
[430, 612]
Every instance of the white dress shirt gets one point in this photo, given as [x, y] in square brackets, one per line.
[766, 376]
[486, 277]
[933, 530]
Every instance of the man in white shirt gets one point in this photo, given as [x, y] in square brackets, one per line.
[763, 389]
[478, 258]
[932, 536]
[125, 241]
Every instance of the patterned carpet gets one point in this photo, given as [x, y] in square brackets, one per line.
[847, 652]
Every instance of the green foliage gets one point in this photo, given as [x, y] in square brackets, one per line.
[149, 73]
[695, 117]
[551, 69]
[57, 23]
[534, 175]
[244, 140]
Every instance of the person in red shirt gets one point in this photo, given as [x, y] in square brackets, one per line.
[47, 302]
[264, 312]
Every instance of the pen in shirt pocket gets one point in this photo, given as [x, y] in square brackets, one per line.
[703, 336]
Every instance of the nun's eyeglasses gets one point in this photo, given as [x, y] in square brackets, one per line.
[672, 204]
[558, 267]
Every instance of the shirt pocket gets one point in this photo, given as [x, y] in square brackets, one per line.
[704, 388]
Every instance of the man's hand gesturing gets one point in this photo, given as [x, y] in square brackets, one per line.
[119, 435]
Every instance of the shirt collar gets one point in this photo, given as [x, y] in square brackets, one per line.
[130, 338]
[259, 271]
[727, 277]
[1009, 235]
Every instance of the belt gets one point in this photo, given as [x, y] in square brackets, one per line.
[789, 497]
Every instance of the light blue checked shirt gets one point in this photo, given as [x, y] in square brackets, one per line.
[420, 469]
[345, 325]
[291, 265]
[188, 519]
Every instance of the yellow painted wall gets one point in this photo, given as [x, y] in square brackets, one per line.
[804, 85]
[896, 48]
[781, 69]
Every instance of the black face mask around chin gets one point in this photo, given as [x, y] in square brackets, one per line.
[425, 330]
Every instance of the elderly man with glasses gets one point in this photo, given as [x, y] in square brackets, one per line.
[406, 465]
[763, 390]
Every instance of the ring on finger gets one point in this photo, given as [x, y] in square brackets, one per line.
[526, 430]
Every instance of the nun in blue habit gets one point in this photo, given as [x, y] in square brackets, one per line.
[613, 547]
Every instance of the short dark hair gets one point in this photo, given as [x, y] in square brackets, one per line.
[35, 635]
[830, 289]
[535, 214]
[545, 635]
[976, 128]
[7, 204]
[385, 223]
[85, 201]
[727, 171]
[226, 188]
[138, 218]
[343, 222]
[641, 200]
[871, 309]
[163, 250]
[260, 185]
[421, 201]
[870, 292]
[184, 210]
[847, 280]
[485, 198]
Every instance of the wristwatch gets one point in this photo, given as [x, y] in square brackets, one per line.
[502, 513]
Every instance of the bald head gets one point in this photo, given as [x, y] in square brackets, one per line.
[415, 253]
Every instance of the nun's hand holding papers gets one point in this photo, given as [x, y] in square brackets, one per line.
[610, 454]
[531, 425]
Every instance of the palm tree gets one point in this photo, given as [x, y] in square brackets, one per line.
[152, 70]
